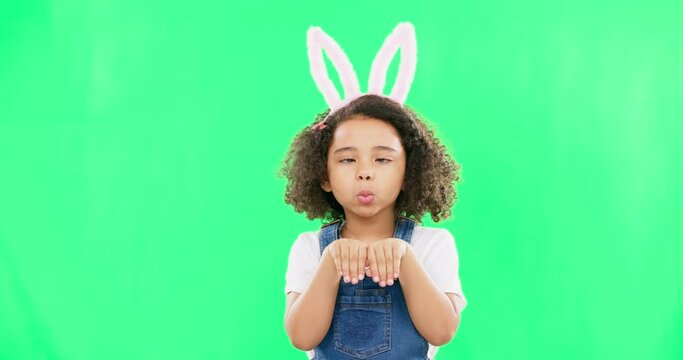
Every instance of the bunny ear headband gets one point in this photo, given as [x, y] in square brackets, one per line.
[403, 36]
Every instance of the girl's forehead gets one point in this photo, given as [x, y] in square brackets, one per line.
[363, 127]
[366, 142]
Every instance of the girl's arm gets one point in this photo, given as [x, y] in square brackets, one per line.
[431, 310]
[309, 314]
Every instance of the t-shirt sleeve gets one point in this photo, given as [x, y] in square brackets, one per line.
[442, 265]
[302, 264]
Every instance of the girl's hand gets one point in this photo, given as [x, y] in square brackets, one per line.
[385, 258]
[350, 257]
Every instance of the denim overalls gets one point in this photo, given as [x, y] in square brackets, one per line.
[370, 321]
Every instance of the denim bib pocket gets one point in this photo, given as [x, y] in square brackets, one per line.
[362, 325]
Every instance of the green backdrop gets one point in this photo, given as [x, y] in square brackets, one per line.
[141, 218]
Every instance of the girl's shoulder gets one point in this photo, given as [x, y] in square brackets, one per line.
[427, 233]
[307, 242]
[426, 239]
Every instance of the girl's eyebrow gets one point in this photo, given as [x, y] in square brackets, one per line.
[351, 148]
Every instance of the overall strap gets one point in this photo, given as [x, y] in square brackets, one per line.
[404, 229]
[329, 233]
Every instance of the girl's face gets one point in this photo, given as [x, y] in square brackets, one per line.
[365, 155]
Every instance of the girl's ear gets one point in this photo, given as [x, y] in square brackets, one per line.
[326, 186]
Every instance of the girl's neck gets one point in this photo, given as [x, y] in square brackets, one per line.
[378, 227]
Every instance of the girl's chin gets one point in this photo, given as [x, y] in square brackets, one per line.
[364, 211]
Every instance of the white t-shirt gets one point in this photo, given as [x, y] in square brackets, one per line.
[434, 247]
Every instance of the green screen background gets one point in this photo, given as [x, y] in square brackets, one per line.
[141, 218]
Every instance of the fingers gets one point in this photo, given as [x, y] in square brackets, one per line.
[388, 266]
[362, 255]
[332, 250]
[372, 258]
[397, 263]
[384, 261]
[352, 257]
[382, 266]
[378, 266]
[353, 263]
[345, 262]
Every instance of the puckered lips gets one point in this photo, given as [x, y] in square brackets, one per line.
[365, 197]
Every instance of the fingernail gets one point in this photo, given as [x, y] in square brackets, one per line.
[390, 282]
[395, 276]
[361, 276]
[346, 278]
[382, 283]
[375, 279]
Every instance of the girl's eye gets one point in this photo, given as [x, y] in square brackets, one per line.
[383, 162]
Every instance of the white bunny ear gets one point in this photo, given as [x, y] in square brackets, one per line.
[403, 36]
[318, 40]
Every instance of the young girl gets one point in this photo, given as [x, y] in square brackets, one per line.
[371, 283]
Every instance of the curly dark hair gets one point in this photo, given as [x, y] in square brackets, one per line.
[430, 172]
